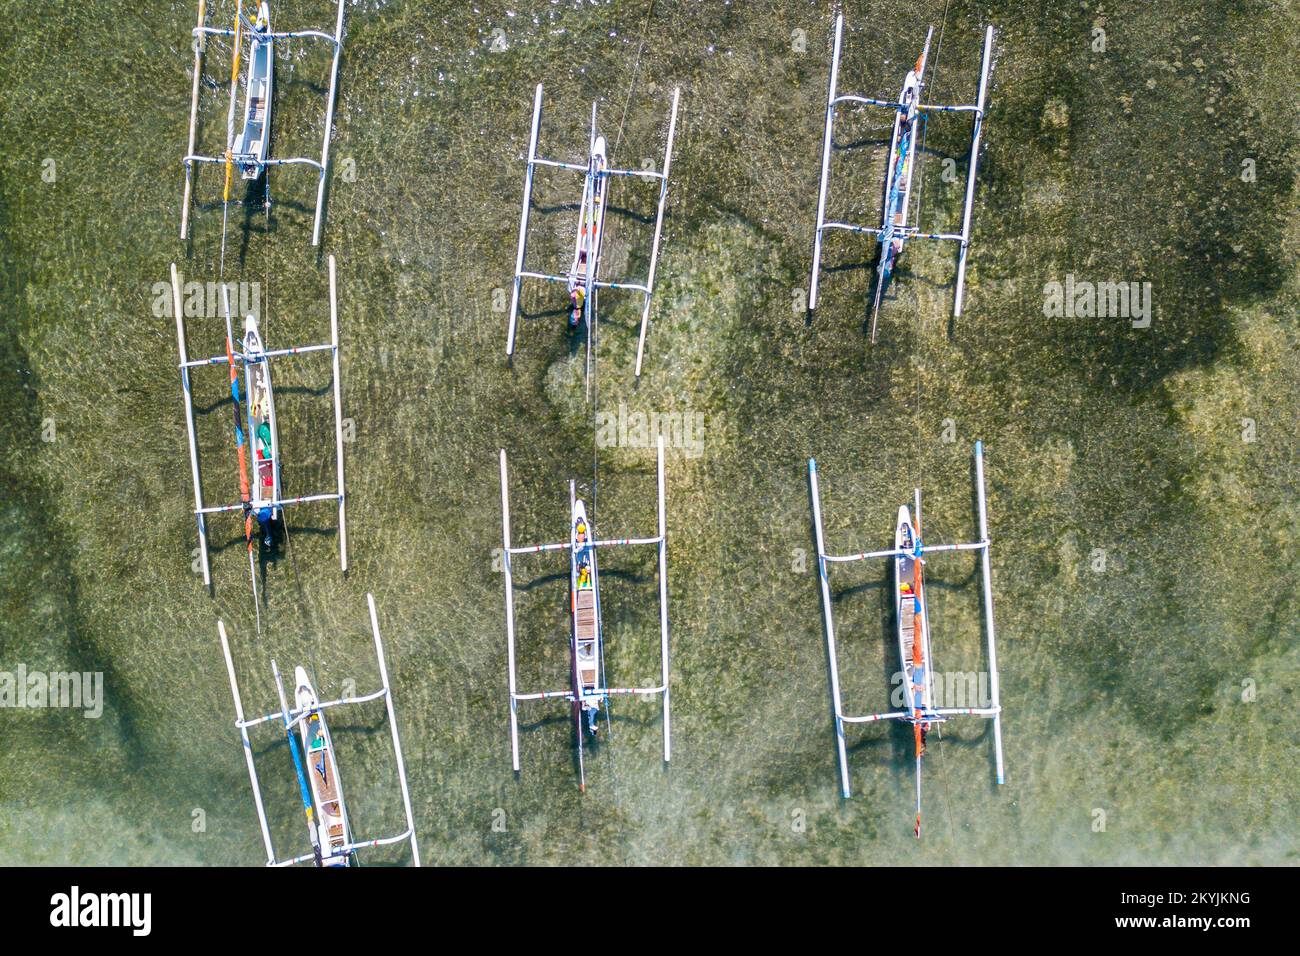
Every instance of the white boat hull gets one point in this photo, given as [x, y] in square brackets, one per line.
[910, 618]
[322, 773]
[249, 149]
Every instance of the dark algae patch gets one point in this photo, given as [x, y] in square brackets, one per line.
[1142, 480]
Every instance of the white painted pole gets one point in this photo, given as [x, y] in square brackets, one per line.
[248, 747]
[663, 605]
[830, 628]
[510, 609]
[338, 417]
[329, 126]
[889, 553]
[392, 723]
[189, 426]
[659, 225]
[538, 548]
[523, 227]
[988, 609]
[976, 133]
[199, 45]
[826, 164]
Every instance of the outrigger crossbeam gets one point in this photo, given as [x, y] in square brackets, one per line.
[201, 32]
[891, 231]
[248, 361]
[994, 710]
[594, 172]
[601, 691]
[289, 718]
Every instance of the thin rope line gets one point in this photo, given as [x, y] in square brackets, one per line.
[595, 396]
[636, 67]
[595, 345]
[916, 346]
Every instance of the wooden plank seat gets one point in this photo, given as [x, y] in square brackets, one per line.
[585, 616]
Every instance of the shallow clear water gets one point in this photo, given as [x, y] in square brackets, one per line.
[1124, 688]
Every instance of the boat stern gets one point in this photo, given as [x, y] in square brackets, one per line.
[252, 335]
[903, 528]
[304, 694]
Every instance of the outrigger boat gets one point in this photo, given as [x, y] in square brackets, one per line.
[920, 708]
[261, 495]
[898, 183]
[583, 280]
[249, 150]
[250, 146]
[588, 692]
[894, 230]
[319, 786]
[322, 771]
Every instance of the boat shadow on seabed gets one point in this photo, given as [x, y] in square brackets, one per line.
[899, 739]
[856, 264]
[270, 553]
[593, 742]
[575, 332]
[257, 207]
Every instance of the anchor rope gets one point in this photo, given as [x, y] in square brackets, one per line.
[618, 139]
[943, 761]
[916, 346]
[595, 389]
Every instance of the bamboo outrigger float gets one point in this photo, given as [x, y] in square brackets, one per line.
[259, 451]
[329, 828]
[913, 629]
[894, 229]
[583, 279]
[588, 691]
[249, 150]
